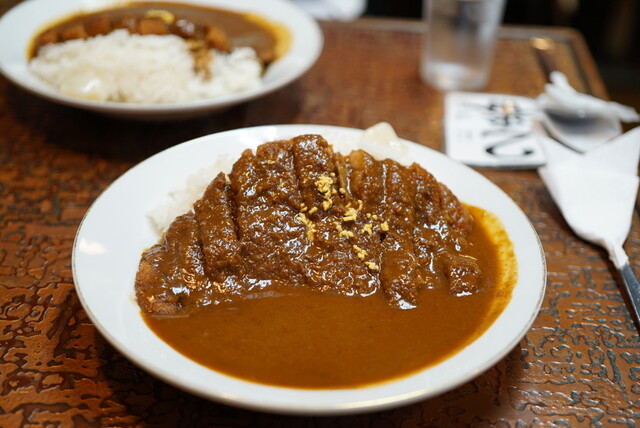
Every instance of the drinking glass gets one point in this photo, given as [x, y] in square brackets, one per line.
[458, 43]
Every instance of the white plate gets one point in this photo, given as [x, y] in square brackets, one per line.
[20, 24]
[115, 231]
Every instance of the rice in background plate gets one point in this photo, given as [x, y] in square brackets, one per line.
[147, 69]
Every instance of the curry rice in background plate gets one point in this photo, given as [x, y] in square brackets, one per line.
[110, 240]
[22, 23]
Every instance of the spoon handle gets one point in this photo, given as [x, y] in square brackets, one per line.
[633, 289]
[544, 49]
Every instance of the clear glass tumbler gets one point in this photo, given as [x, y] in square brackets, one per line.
[457, 48]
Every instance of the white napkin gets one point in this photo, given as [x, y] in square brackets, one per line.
[560, 95]
[596, 191]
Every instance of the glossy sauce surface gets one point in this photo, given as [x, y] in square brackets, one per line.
[217, 28]
[301, 338]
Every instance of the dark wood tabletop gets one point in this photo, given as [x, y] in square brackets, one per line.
[579, 365]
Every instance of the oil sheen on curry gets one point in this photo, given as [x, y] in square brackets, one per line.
[204, 27]
[308, 268]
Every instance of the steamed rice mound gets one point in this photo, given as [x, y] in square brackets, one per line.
[147, 69]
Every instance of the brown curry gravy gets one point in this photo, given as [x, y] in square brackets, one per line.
[305, 339]
[269, 39]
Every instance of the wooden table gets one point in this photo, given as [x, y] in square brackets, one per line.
[579, 365]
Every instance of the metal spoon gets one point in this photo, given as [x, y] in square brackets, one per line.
[632, 286]
[581, 130]
[544, 48]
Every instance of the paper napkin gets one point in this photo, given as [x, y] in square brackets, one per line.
[596, 191]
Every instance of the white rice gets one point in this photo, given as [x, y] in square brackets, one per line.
[148, 69]
[380, 141]
[180, 200]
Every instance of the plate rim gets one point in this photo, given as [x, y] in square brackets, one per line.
[274, 402]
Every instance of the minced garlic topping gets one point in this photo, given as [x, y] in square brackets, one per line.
[368, 229]
[372, 266]
[341, 232]
[346, 234]
[362, 254]
[324, 184]
[311, 227]
[350, 215]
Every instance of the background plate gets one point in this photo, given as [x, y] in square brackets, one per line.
[21, 23]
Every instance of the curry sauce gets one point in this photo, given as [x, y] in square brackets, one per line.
[204, 27]
[300, 338]
[312, 269]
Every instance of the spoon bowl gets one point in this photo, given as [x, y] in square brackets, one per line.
[580, 135]
[579, 132]
[578, 128]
